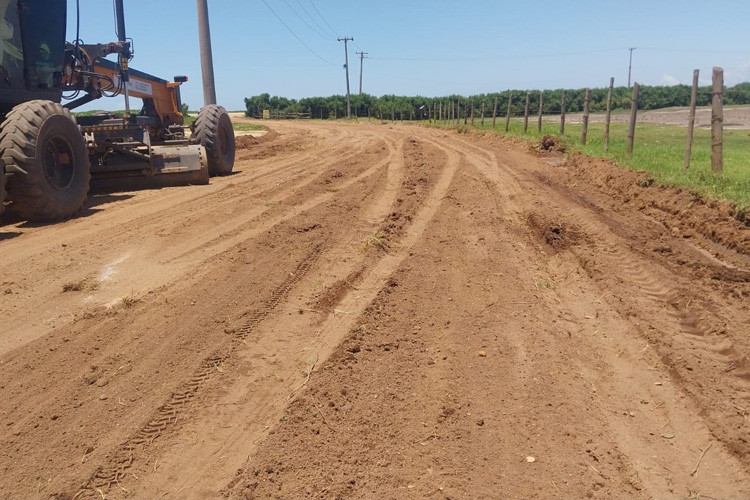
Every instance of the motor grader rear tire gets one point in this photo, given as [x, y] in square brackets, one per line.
[2, 188]
[41, 138]
[213, 130]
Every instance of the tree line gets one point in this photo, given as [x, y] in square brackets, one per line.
[415, 107]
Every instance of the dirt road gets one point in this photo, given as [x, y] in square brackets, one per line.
[380, 311]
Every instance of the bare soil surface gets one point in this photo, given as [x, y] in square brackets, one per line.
[380, 311]
[735, 117]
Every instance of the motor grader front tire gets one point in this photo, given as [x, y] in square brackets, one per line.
[41, 145]
[213, 130]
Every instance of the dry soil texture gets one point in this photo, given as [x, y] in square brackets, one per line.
[379, 311]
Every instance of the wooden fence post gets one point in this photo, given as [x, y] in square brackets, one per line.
[609, 114]
[466, 114]
[717, 121]
[585, 127]
[494, 114]
[507, 114]
[472, 113]
[691, 119]
[633, 113]
[541, 107]
[483, 103]
[526, 112]
[562, 114]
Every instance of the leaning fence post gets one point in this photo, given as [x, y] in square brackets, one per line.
[691, 119]
[717, 121]
[507, 114]
[609, 114]
[562, 114]
[585, 127]
[526, 112]
[494, 114]
[633, 113]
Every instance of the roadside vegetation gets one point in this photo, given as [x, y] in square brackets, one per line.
[414, 107]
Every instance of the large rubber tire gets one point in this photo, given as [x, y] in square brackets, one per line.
[42, 139]
[213, 130]
[2, 188]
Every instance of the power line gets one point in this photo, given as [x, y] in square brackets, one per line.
[298, 38]
[315, 22]
[326, 37]
[323, 18]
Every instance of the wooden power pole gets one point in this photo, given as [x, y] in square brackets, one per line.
[630, 64]
[362, 56]
[346, 67]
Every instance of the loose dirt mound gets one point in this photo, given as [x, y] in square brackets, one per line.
[691, 214]
[551, 143]
[558, 236]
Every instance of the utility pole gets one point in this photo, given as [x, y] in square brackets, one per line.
[630, 64]
[207, 61]
[346, 67]
[362, 56]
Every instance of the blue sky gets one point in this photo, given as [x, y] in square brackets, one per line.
[430, 48]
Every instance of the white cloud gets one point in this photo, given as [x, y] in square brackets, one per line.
[669, 80]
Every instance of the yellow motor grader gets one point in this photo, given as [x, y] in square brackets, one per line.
[48, 157]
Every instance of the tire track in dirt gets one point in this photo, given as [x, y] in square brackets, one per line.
[369, 275]
[471, 318]
[373, 281]
[219, 263]
[167, 415]
[421, 347]
[636, 376]
[174, 258]
[378, 277]
[611, 252]
[700, 327]
[238, 231]
[162, 422]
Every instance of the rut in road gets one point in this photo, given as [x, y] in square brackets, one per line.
[456, 306]
[128, 348]
[407, 372]
[168, 414]
[410, 195]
